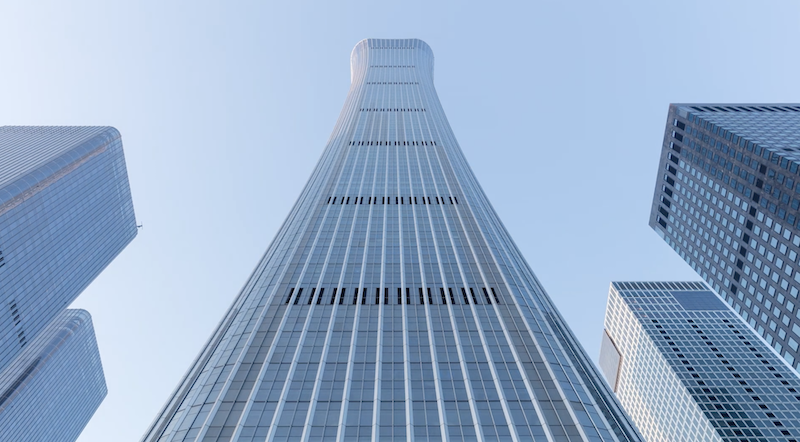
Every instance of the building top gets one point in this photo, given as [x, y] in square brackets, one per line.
[775, 127]
[681, 361]
[401, 53]
[709, 108]
[25, 148]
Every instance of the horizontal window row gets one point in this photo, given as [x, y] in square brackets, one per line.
[392, 109]
[392, 143]
[389, 199]
[392, 47]
[746, 108]
[392, 82]
[392, 66]
[386, 296]
[689, 286]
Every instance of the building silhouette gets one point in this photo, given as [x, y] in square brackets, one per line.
[393, 304]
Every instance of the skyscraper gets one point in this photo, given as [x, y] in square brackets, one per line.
[686, 368]
[54, 386]
[65, 213]
[393, 304]
[727, 199]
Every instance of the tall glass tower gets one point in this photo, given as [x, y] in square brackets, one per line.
[65, 214]
[393, 304]
[52, 389]
[727, 199]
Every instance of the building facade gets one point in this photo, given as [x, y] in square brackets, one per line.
[687, 368]
[54, 386]
[393, 304]
[65, 213]
[727, 199]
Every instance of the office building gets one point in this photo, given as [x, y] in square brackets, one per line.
[393, 304]
[687, 368]
[727, 198]
[54, 386]
[65, 213]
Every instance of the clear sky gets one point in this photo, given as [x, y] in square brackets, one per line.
[225, 107]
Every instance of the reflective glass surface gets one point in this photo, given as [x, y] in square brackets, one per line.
[53, 387]
[65, 213]
[392, 305]
[727, 200]
[693, 371]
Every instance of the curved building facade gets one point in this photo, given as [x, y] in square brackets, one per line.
[51, 390]
[65, 213]
[393, 304]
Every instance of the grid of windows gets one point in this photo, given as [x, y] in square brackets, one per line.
[408, 316]
[52, 389]
[65, 213]
[697, 372]
[727, 200]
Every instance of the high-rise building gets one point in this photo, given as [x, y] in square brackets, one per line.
[393, 304]
[687, 368]
[65, 213]
[727, 199]
[54, 386]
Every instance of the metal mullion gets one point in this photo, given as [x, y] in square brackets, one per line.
[331, 321]
[279, 330]
[379, 354]
[481, 332]
[406, 367]
[517, 361]
[577, 376]
[379, 341]
[556, 382]
[312, 406]
[467, 384]
[497, 237]
[304, 332]
[353, 336]
[503, 249]
[462, 363]
[205, 426]
[260, 268]
[526, 381]
[282, 400]
[429, 323]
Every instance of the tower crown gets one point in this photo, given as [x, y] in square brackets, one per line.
[394, 53]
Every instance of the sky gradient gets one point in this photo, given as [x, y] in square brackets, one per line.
[224, 109]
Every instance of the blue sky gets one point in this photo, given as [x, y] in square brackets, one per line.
[225, 107]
